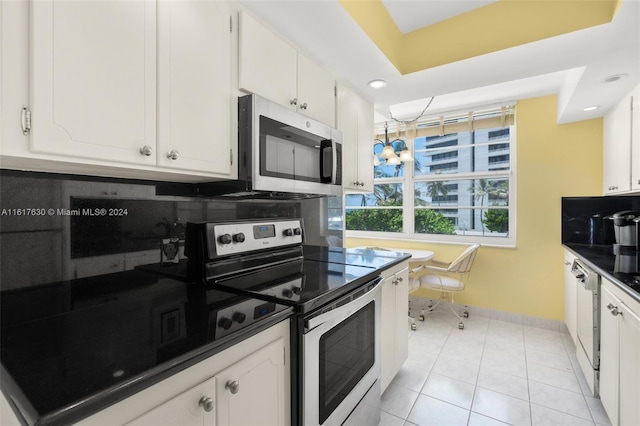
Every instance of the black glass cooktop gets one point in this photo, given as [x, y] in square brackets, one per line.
[366, 257]
[303, 284]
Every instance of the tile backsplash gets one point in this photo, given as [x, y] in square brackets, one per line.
[584, 219]
[55, 228]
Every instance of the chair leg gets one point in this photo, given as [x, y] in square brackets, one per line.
[465, 313]
[412, 320]
[429, 309]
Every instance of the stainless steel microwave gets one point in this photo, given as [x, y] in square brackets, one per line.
[281, 150]
[282, 154]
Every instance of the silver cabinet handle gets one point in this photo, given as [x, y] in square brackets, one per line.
[614, 310]
[206, 403]
[294, 101]
[567, 263]
[146, 150]
[232, 386]
[303, 106]
[173, 154]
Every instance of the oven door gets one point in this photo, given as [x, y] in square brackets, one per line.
[341, 362]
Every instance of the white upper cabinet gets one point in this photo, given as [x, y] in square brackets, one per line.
[267, 64]
[635, 139]
[316, 91]
[355, 120]
[133, 89]
[621, 167]
[194, 86]
[272, 68]
[93, 79]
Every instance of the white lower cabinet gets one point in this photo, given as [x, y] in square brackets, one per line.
[620, 356]
[246, 384]
[570, 297]
[395, 324]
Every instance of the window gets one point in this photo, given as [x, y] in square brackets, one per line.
[459, 188]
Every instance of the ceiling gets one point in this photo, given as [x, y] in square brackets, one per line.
[571, 65]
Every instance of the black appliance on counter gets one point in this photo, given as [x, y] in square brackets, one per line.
[626, 226]
[335, 294]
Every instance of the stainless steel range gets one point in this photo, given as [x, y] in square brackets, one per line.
[336, 337]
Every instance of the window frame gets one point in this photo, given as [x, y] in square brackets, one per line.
[408, 182]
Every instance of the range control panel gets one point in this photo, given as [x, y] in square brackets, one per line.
[233, 318]
[242, 237]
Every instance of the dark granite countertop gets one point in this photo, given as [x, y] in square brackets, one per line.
[73, 348]
[622, 269]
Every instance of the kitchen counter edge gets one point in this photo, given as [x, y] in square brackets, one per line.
[575, 249]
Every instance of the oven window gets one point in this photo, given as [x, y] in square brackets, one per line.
[347, 352]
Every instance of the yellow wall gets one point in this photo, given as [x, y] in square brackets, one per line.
[552, 161]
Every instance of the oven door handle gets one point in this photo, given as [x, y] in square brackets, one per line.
[346, 310]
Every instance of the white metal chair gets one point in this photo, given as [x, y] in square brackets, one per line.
[449, 278]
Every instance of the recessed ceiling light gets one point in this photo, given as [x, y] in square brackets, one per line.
[591, 108]
[377, 84]
[613, 78]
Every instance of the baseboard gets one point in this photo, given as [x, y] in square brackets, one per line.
[528, 320]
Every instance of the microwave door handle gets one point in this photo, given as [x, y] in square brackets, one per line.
[334, 165]
[324, 146]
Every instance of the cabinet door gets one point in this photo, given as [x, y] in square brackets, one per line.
[253, 391]
[635, 139]
[183, 410]
[194, 86]
[267, 64]
[93, 86]
[347, 122]
[609, 367]
[387, 331]
[365, 144]
[629, 366]
[401, 342]
[316, 91]
[570, 297]
[617, 148]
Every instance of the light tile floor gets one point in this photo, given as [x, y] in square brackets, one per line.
[491, 373]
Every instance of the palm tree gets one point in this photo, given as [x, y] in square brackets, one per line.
[437, 188]
[388, 194]
[481, 189]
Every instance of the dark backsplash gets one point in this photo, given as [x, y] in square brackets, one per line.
[56, 228]
[584, 219]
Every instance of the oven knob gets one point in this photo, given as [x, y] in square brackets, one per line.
[288, 232]
[239, 317]
[297, 231]
[225, 323]
[224, 239]
[238, 238]
[297, 290]
[287, 293]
